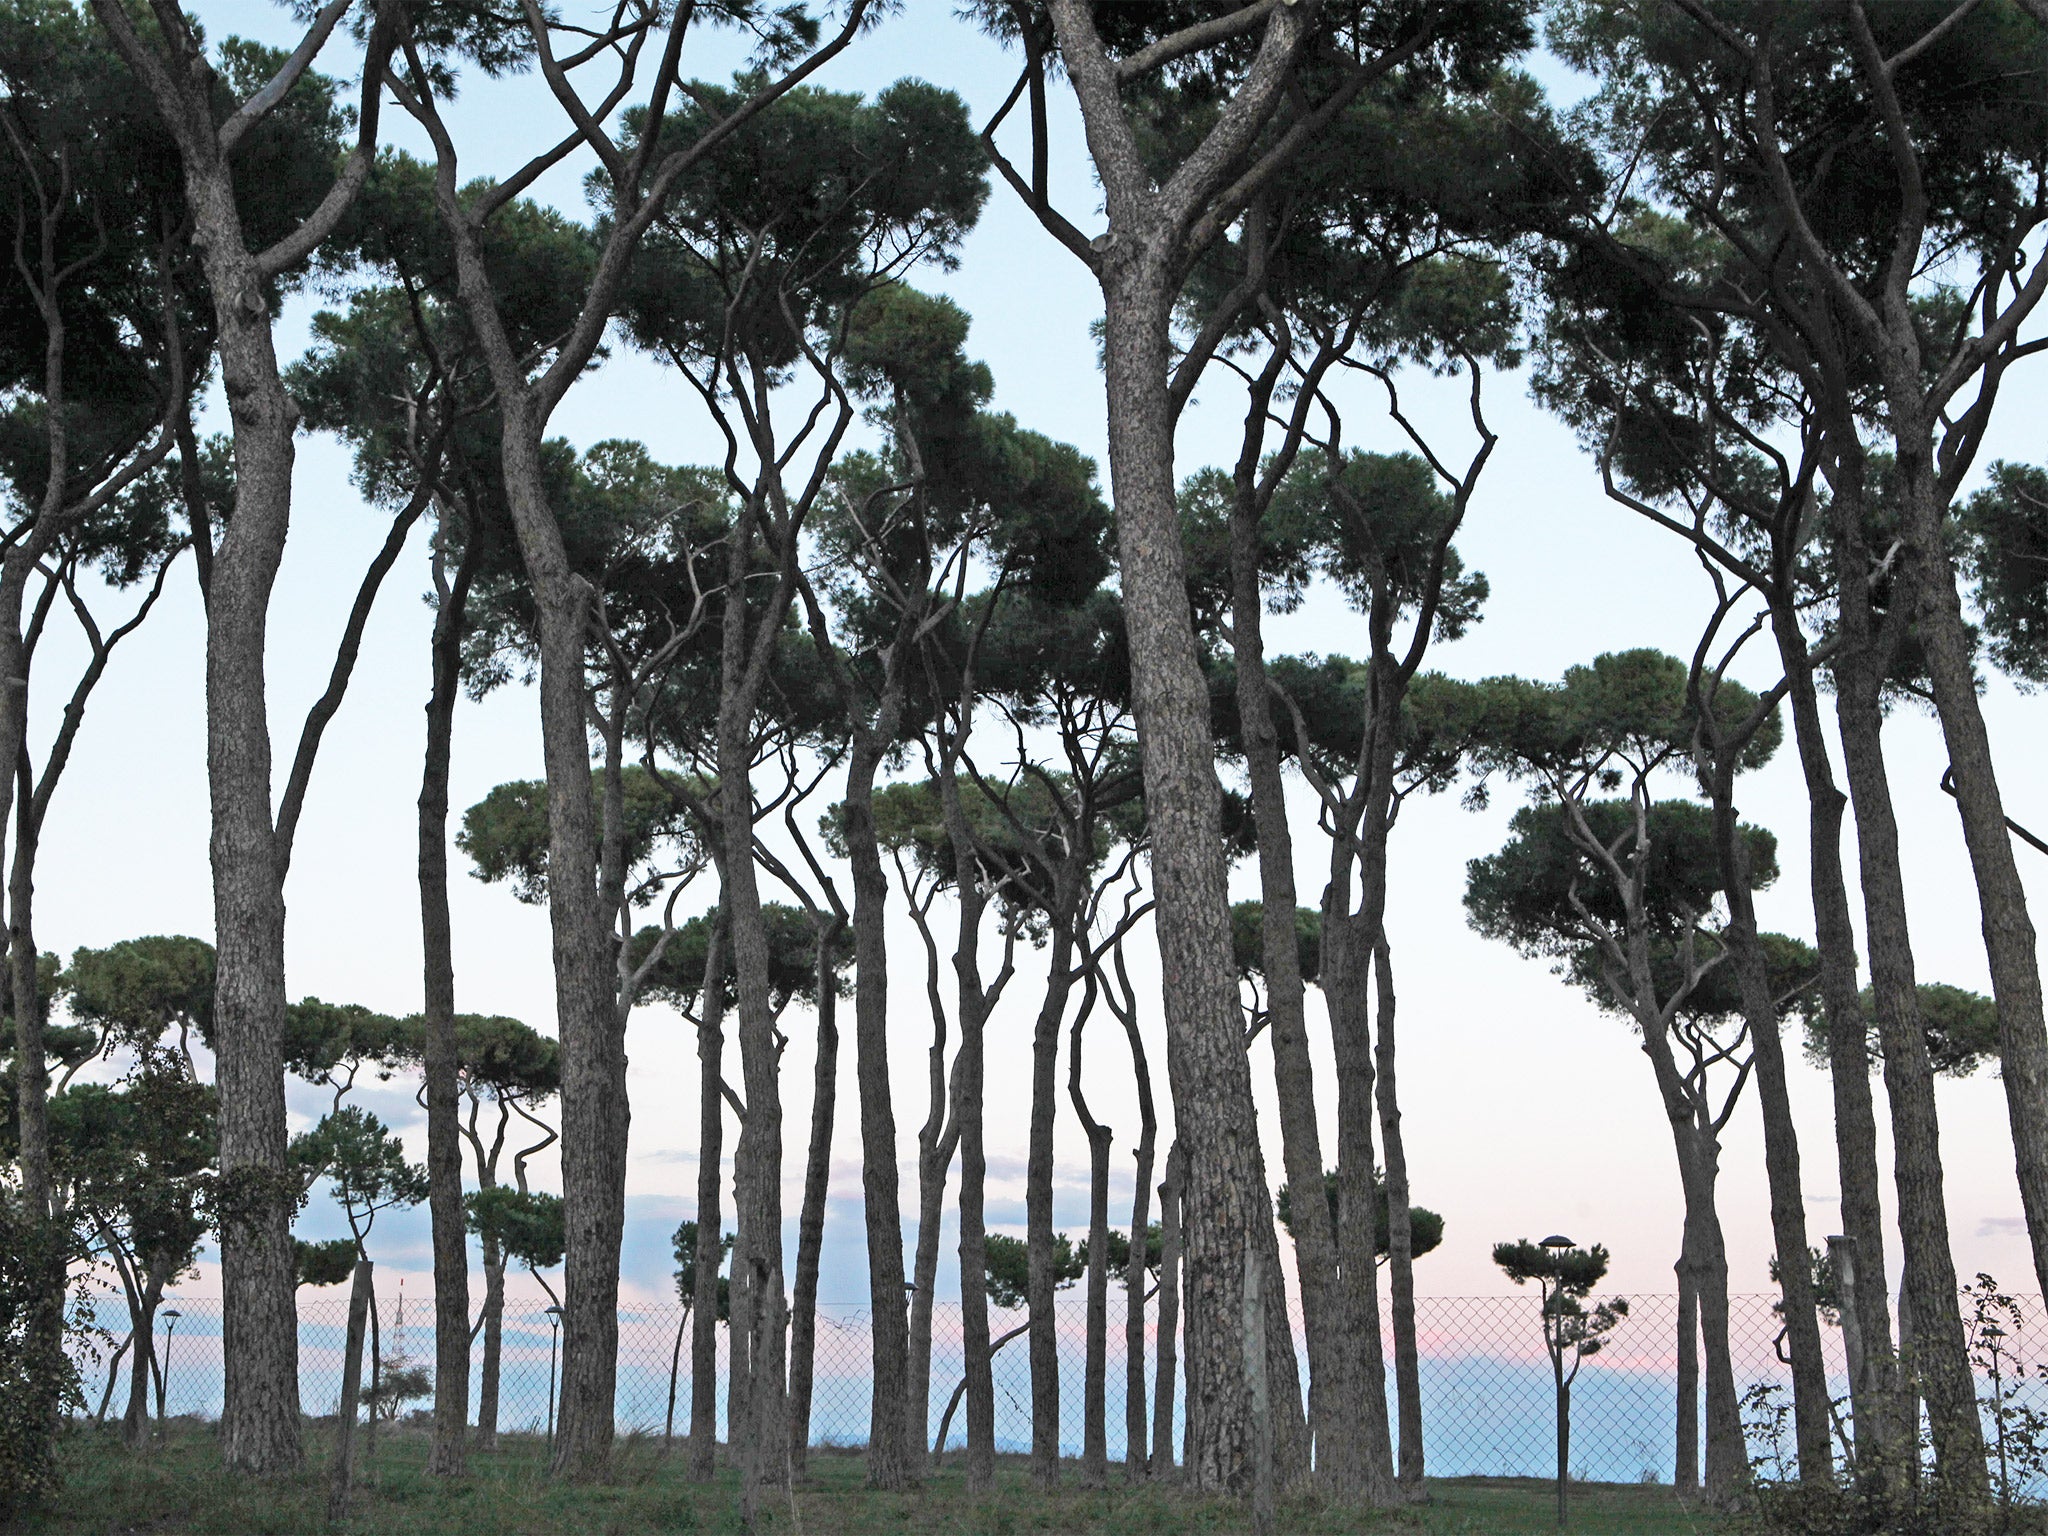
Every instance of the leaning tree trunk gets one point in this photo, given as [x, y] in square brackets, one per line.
[1229, 1206]
[710, 1255]
[936, 1141]
[2009, 940]
[1811, 1404]
[1336, 1417]
[810, 1239]
[1400, 1236]
[437, 948]
[1875, 1393]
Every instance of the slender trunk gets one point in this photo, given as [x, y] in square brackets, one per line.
[889, 1457]
[444, 1135]
[1038, 1232]
[1229, 1204]
[1135, 1442]
[936, 1141]
[494, 1348]
[1685, 1475]
[978, 1376]
[1163, 1399]
[810, 1240]
[1095, 1378]
[1335, 1413]
[1875, 1386]
[1810, 1398]
[2009, 939]
[675, 1372]
[710, 1256]
[1400, 1236]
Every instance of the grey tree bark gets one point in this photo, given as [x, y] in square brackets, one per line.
[1040, 1280]
[810, 1240]
[1400, 1235]
[1095, 1379]
[1165, 1404]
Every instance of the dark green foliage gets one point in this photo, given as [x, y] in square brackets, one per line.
[685, 1244]
[1425, 1227]
[527, 1227]
[363, 1161]
[1566, 1277]
[2005, 526]
[1119, 1248]
[329, 1043]
[138, 989]
[1009, 1268]
[323, 1263]
[506, 833]
[678, 977]
[1248, 940]
[1961, 1028]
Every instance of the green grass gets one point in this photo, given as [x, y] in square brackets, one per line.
[179, 1487]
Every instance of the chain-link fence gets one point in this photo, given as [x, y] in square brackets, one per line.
[1485, 1380]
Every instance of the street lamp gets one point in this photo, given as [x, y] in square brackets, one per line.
[554, 1317]
[171, 1316]
[1553, 1339]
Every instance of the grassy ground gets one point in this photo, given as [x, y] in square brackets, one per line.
[179, 1487]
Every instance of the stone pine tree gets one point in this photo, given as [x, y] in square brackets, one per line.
[1276, 76]
[249, 123]
[640, 168]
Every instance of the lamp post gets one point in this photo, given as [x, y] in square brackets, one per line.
[1553, 1339]
[554, 1317]
[163, 1379]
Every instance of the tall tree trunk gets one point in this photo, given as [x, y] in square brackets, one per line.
[1400, 1235]
[1810, 1398]
[1336, 1416]
[1040, 1280]
[1163, 1390]
[710, 1255]
[810, 1239]
[1685, 1475]
[1939, 1359]
[259, 1332]
[1876, 1414]
[888, 1461]
[437, 949]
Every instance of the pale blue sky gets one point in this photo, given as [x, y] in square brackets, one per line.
[1526, 1111]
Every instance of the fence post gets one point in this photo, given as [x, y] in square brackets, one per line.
[351, 1389]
